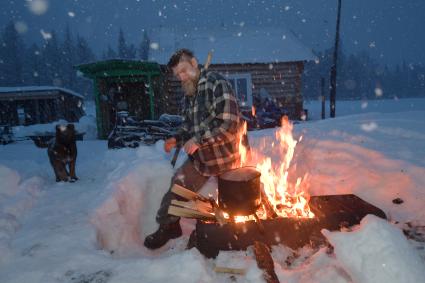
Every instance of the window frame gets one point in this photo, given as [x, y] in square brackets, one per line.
[248, 77]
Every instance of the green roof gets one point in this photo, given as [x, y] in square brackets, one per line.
[119, 67]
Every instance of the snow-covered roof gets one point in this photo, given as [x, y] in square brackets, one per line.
[36, 91]
[230, 45]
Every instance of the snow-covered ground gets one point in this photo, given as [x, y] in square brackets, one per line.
[53, 232]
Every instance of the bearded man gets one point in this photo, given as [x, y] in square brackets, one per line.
[210, 135]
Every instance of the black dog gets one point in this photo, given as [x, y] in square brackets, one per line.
[62, 151]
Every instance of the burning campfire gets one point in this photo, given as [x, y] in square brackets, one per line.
[286, 200]
[259, 189]
[258, 203]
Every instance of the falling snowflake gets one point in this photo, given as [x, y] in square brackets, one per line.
[46, 35]
[154, 46]
[372, 44]
[21, 27]
[71, 14]
[38, 7]
[378, 92]
[369, 127]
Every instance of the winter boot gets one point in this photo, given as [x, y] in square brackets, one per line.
[164, 233]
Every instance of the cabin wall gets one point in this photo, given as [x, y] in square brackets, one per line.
[38, 110]
[281, 80]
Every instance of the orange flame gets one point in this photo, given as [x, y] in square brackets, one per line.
[287, 200]
[253, 111]
[243, 151]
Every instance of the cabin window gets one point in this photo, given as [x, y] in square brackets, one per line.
[242, 86]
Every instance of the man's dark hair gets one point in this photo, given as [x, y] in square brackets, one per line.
[178, 56]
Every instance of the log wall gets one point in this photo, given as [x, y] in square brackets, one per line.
[281, 80]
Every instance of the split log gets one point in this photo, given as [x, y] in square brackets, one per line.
[265, 262]
[238, 271]
[187, 194]
[189, 213]
[203, 204]
[196, 205]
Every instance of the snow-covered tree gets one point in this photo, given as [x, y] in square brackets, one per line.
[32, 70]
[144, 47]
[109, 54]
[68, 60]
[52, 61]
[125, 51]
[11, 49]
[84, 54]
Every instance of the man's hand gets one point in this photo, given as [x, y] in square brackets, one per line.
[169, 144]
[191, 146]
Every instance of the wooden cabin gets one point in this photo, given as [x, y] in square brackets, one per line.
[257, 62]
[39, 104]
[124, 85]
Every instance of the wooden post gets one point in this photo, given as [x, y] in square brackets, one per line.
[99, 116]
[322, 96]
[332, 96]
[37, 111]
[151, 98]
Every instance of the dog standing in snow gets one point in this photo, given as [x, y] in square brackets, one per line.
[62, 152]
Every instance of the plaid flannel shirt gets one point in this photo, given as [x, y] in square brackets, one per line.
[212, 119]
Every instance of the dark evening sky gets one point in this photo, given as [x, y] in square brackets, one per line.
[390, 30]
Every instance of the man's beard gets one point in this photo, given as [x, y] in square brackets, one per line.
[189, 87]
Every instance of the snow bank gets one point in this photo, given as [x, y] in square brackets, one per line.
[16, 199]
[354, 107]
[133, 197]
[342, 168]
[377, 252]
[189, 266]
[10, 180]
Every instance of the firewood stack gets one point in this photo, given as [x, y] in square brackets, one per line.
[197, 206]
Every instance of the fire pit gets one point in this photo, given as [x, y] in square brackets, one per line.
[332, 212]
[258, 203]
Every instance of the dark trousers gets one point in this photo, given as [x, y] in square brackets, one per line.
[185, 176]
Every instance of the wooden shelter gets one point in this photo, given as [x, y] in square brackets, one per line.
[39, 104]
[124, 85]
[257, 62]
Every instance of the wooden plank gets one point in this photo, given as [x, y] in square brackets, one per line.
[183, 192]
[187, 194]
[190, 213]
[176, 211]
[196, 205]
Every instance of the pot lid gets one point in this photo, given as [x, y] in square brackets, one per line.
[241, 174]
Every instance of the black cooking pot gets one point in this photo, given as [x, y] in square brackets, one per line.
[239, 191]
